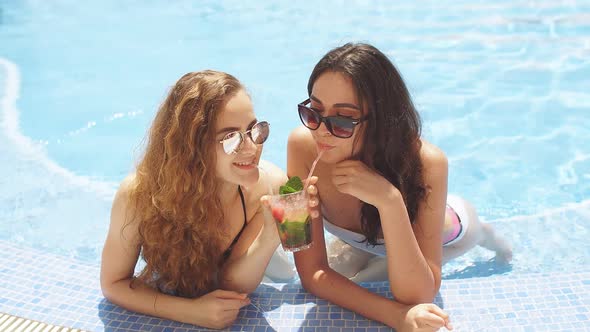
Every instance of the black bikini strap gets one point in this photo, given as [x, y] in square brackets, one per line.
[243, 209]
[243, 205]
[231, 246]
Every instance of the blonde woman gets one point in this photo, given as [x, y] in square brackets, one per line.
[192, 208]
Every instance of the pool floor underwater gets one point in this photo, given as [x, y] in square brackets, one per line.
[64, 292]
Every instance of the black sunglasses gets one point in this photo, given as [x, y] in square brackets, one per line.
[339, 126]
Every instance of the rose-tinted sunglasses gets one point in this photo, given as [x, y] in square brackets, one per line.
[232, 142]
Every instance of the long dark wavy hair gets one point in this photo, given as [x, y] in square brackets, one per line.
[392, 136]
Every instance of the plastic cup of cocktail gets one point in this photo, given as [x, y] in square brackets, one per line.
[291, 215]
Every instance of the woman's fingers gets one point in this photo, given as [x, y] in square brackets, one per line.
[348, 175]
[346, 188]
[312, 190]
[438, 311]
[265, 200]
[348, 164]
[313, 180]
[313, 202]
[433, 308]
[233, 304]
[341, 179]
[433, 320]
[343, 184]
[336, 171]
[449, 326]
[227, 294]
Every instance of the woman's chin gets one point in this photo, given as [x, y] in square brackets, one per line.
[331, 157]
[248, 179]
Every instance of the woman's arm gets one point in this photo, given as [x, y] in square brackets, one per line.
[217, 309]
[312, 264]
[320, 280]
[414, 268]
[245, 267]
[414, 252]
[247, 263]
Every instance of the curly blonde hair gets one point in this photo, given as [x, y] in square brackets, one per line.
[175, 194]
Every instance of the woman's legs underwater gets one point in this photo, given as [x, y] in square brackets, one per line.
[361, 266]
[477, 233]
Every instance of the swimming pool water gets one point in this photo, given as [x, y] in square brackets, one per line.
[503, 89]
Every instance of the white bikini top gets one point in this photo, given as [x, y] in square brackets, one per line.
[355, 239]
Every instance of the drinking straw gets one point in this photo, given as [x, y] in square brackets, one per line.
[312, 168]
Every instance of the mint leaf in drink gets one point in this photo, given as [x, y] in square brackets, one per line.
[292, 186]
[295, 183]
[283, 190]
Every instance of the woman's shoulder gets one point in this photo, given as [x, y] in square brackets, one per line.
[122, 212]
[121, 200]
[271, 175]
[430, 153]
[126, 186]
[433, 158]
[301, 141]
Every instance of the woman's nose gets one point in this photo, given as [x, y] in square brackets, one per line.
[249, 145]
[323, 130]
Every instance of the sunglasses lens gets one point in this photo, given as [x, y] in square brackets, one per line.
[341, 127]
[308, 117]
[232, 142]
[260, 132]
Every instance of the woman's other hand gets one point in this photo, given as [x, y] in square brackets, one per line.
[355, 178]
[424, 317]
[217, 309]
[314, 198]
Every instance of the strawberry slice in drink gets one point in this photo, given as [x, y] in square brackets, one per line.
[278, 213]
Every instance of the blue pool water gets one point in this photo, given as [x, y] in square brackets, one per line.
[503, 89]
